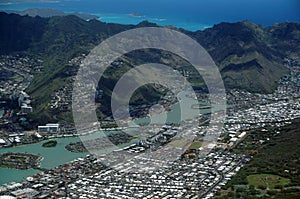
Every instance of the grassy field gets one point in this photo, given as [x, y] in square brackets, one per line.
[17, 78]
[195, 145]
[268, 181]
[274, 171]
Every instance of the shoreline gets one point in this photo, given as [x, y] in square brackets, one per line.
[127, 18]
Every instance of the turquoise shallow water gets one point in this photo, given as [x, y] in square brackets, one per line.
[130, 19]
[124, 13]
[188, 14]
[58, 155]
[15, 175]
[52, 157]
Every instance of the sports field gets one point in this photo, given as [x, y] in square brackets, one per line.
[267, 180]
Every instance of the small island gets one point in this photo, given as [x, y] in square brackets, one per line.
[135, 14]
[198, 106]
[20, 160]
[51, 143]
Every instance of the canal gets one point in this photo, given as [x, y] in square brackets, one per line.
[55, 156]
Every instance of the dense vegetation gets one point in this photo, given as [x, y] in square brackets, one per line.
[50, 143]
[249, 56]
[274, 171]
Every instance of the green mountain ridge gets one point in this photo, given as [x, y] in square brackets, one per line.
[249, 56]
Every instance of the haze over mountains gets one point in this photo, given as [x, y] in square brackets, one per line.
[249, 56]
[49, 12]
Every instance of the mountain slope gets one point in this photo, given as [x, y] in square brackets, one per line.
[244, 53]
[19, 33]
[249, 56]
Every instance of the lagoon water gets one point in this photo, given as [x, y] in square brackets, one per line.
[52, 157]
[58, 155]
[189, 14]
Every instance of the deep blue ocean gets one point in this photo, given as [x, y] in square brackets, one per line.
[188, 14]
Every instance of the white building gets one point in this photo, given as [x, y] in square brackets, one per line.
[22, 98]
[49, 128]
[26, 109]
